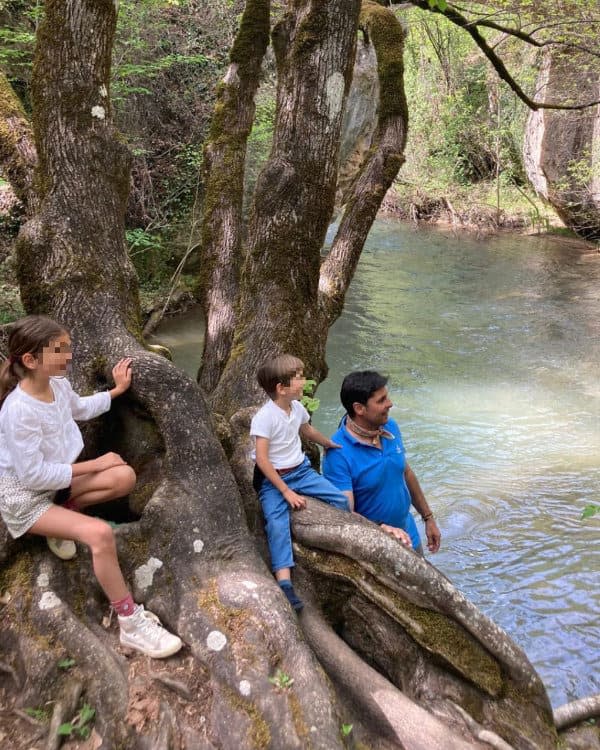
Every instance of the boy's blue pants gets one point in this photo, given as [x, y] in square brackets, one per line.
[305, 481]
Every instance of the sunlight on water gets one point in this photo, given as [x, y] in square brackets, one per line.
[491, 349]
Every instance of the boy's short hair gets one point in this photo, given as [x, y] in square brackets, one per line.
[358, 387]
[278, 370]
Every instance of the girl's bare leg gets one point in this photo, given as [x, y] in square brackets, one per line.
[97, 535]
[101, 486]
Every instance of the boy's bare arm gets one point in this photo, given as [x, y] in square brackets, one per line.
[308, 432]
[267, 468]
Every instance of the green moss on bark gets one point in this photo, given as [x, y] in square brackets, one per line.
[388, 37]
[443, 638]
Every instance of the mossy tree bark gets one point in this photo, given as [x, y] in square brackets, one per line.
[411, 664]
[293, 202]
[17, 151]
[224, 158]
[288, 296]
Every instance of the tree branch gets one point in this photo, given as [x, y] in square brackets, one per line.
[381, 165]
[224, 158]
[471, 27]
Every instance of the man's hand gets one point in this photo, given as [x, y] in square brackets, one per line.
[397, 533]
[434, 536]
[294, 499]
[331, 444]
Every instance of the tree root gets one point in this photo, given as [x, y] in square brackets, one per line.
[401, 615]
[490, 738]
[388, 711]
[64, 709]
[577, 711]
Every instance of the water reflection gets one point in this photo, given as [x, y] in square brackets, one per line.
[491, 351]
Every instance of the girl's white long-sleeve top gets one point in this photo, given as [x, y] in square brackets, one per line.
[39, 441]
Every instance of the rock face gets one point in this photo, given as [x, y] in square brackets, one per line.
[360, 117]
[561, 150]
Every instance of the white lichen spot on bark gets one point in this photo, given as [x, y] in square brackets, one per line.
[231, 77]
[103, 91]
[49, 600]
[216, 640]
[334, 93]
[198, 545]
[98, 112]
[250, 585]
[196, 530]
[43, 580]
[144, 575]
[245, 687]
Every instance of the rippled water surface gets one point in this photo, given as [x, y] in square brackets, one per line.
[492, 352]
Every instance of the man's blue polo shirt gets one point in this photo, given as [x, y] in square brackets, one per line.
[375, 476]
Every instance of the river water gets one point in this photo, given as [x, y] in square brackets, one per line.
[491, 347]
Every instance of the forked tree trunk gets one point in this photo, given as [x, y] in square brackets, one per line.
[294, 198]
[252, 674]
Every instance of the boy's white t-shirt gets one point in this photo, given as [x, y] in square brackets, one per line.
[282, 431]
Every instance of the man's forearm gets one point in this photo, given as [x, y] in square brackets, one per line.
[416, 494]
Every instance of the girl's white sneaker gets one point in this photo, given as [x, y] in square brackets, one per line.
[63, 548]
[143, 632]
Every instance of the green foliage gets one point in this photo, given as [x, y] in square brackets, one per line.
[308, 401]
[148, 254]
[66, 663]
[148, 70]
[80, 725]
[581, 175]
[281, 680]
[260, 138]
[589, 511]
[39, 714]
[463, 122]
[346, 729]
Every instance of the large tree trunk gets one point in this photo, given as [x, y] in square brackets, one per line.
[418, 666]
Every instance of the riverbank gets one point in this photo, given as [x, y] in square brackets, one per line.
[477, 208]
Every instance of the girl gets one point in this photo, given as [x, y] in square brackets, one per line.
[39, 442]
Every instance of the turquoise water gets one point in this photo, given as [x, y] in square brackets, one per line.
[493, 363]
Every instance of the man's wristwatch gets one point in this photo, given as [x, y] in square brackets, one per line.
[427, 517]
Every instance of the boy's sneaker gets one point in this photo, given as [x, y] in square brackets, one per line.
[292, 597]
[63, 548]
[143, 632]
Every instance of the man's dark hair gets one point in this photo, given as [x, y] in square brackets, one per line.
[358, 387]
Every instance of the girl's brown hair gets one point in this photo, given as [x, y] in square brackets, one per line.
[28, 335]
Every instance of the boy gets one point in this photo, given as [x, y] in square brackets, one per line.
[287, 473]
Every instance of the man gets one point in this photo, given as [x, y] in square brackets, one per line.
[370, 467]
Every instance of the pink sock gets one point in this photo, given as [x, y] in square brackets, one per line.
[124, 607]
